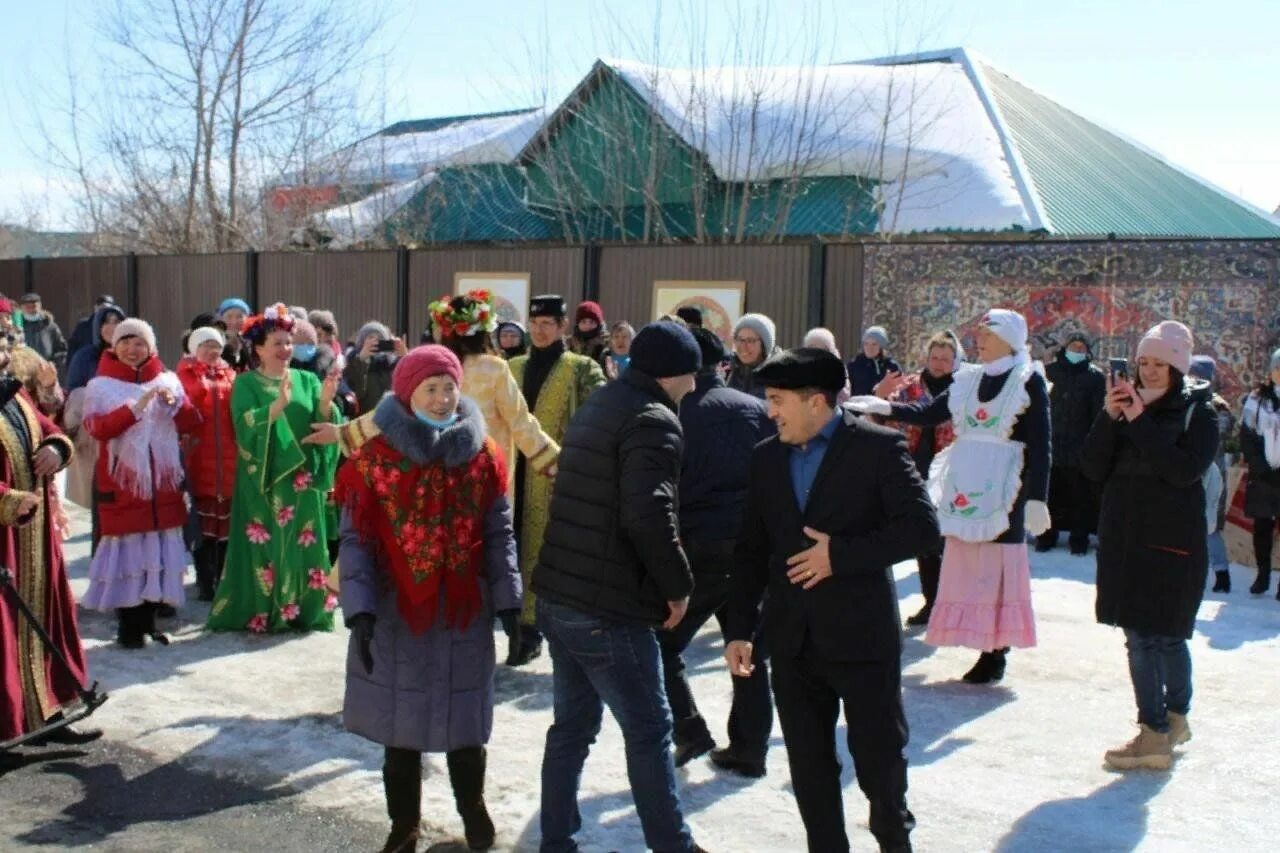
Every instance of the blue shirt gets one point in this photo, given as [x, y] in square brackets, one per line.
[805, 461]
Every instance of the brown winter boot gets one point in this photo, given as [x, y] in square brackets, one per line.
[1148, 751]
[466, 773]
[1179, 729]
[402, 782]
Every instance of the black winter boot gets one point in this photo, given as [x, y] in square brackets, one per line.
[524, 646]
[129, 628]
[1262, 583]
[151, 609]
[989, 668]
[204, 558]
[1222, 581]
[402, 783]
[466, 773]
[692, 739]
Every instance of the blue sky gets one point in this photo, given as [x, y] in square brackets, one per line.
[1195, 81]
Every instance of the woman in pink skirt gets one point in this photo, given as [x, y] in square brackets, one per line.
[990, 489]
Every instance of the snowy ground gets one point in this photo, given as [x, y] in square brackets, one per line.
[1017, 767]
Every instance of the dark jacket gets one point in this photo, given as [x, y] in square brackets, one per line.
[612, 545]
[1152, 552]
[369, 380]
[869, 498]
[1262, 491]
[1078, 394]
[721, 428]
[44, 336]
[1032, 429]
[743, 378]
[81, 336]
[84, 364]
[866, 373]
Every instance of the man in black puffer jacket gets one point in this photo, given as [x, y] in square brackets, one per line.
[722, 426]
[610, 574]
[1076, 397]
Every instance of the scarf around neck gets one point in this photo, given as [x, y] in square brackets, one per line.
[1261, 415]
[147, 456]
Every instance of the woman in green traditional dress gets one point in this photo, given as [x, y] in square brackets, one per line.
[277, 561]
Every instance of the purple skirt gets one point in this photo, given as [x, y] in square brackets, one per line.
[128, 570]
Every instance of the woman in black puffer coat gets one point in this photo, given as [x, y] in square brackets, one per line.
[1149, 448]
[1260, 428]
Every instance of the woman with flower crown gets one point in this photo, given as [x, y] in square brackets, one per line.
[277, 562]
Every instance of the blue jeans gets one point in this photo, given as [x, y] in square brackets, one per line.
[1160, 668]
[596, 663]
[1218, 559]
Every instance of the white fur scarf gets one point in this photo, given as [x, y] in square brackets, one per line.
[1261, 416]
[151, 444]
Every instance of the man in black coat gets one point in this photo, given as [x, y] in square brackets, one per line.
[610, 574]
[833, 503]
[1076, 397]
[721, 428]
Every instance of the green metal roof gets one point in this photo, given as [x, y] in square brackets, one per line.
[471, 204]
[1092, 182]
[426, 125]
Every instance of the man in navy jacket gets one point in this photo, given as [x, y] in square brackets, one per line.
[721, 428]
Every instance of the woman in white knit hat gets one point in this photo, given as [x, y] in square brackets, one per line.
[990, 488]
[1150, 448]
[135, 408]
[210, 451]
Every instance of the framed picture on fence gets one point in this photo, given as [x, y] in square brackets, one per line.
[721, 302]
[510, 292]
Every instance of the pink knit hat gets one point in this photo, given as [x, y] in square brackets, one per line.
[420, 365]
[1170, 342]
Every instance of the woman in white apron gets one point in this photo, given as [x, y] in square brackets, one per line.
[990, 489]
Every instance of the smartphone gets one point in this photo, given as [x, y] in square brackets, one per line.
[1119, 369]
[386, 346]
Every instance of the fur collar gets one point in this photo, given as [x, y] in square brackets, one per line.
[456, 445]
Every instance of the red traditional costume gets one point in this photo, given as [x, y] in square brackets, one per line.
[35, 687]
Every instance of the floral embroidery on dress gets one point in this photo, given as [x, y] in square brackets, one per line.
[257, 532]
[330, 602]
[258, 624]
[290, 611]
[267, 578]
[302, 481]
[284, 515]
[307, 537]
[317, 578]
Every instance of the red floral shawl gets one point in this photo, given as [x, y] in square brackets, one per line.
[427, 524]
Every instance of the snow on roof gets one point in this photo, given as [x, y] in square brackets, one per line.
[358, 221]
[921, 130]
[400, 157]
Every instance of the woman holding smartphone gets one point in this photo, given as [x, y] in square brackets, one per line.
[1149, 448]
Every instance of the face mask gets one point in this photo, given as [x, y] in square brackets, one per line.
[304, 352]
[1077, 357]
[432, 422]
[30, 318]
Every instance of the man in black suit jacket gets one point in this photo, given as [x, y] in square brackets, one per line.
[832, 504]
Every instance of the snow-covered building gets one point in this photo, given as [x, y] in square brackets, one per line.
[931, 142]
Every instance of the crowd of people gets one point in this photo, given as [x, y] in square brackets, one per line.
[602, 493]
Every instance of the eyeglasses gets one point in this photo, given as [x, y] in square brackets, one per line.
[741, 340]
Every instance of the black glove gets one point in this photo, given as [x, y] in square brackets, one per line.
[510, 620]
[361, 626]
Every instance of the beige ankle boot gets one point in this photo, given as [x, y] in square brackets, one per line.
[1149, 751]
[1179, 729]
